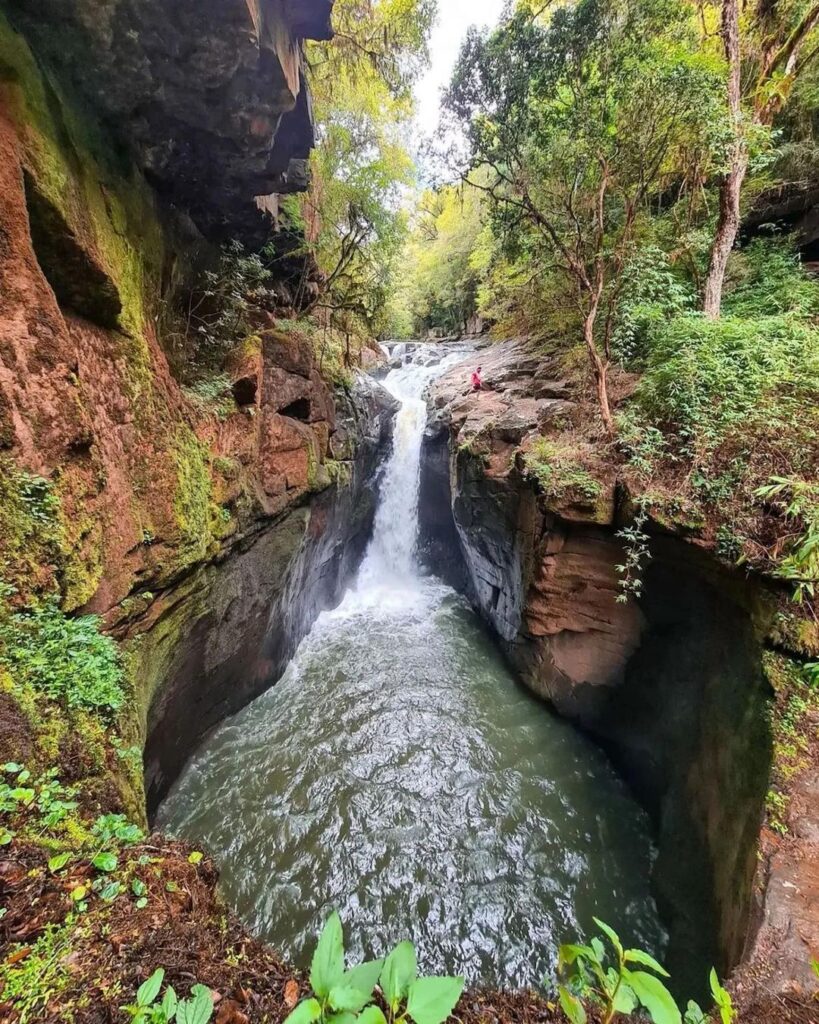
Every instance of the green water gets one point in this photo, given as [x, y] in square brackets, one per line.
[399, 774]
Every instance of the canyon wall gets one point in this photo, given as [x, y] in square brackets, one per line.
[206, 512]
[672, 685]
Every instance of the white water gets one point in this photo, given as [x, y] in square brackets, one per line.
[389, 578]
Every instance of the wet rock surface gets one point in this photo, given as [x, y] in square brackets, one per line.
[672, 685]
[212, 96]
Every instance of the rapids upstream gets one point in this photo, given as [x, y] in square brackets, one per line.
[399, 774]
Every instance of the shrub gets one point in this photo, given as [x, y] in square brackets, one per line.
[341, 994]
[64, 659]
[708, 379]
[613, 982]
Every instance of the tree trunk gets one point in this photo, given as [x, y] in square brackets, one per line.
[601, 369]
[731, 188]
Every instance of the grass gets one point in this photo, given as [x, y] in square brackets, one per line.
[559, 474]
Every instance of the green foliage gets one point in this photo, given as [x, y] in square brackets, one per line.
[63, 659]
[652, 292]
[558, 473]
[793, 717]
[341, 995]
[150, 1009]
[613, 982]
[32, 981]
[722, 1002]
[798, 503]
[636, 546]
[706, 380]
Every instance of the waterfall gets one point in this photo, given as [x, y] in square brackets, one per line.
[389, 566]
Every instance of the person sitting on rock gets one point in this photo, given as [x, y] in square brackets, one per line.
[477, 383]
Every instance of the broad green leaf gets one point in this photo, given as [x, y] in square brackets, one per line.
[197, 1010]
[169, 1003]
[399, 972]
[342, 1017]
[569, 953]
[614, 938]
[138, 887]
[432, 1000]
[105, 862]
[625, 1000]
[149, 990]
[305, 1013]
[57, 863]
[693, 1014]
[342, 997]
[327, 968]
[78, 893]
[110, 892]
[141, 903]
[638, 956]
[363, 976]
[372, 1015]
[599, 950]
[195, 857]
[12, 767]
[571, 1006]
[654, 996]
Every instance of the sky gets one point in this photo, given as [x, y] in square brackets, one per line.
[454, 18]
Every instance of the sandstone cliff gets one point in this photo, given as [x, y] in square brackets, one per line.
[675, 685]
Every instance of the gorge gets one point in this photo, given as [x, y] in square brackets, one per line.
[293, 618]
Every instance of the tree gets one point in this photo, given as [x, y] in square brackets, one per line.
[352, 217]
[779, 42]
[584, 122]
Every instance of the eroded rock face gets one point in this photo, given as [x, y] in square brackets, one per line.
[671, 685]
[211, 95]
[226, 634]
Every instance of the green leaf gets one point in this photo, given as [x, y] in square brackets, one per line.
[169, 1003]
[149, 990]
[612, 935]
[105, 862]
[569, 953]
[6, 836]
[305, 1013]
[141, 902]
[654, 996]
[639, 956]
[195, 857]
[57, 863]
[693, 1014]
[625, 1000]
[432, 1000]
[571, 1006]
[327, 968]
[342, 1017]
[398, 974]
[110, 891]
[364, 976]
[138, 887]
[78, 893]
[197, 1010]
[372, 1015]
[342, 997]
[12, 767]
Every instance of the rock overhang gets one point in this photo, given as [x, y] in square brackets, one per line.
[210, 96]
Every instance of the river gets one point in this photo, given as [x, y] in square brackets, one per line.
[399, 774]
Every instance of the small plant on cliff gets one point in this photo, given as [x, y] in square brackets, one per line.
[722, 1002]
[341, 996]
[613, 982]
[149, 1009]
[635, 542]
[798, 502]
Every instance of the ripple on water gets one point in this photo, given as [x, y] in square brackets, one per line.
[398, 773]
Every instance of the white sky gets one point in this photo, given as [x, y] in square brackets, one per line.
[454, 18]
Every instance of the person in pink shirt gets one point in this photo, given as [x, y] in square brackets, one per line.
[477, 383]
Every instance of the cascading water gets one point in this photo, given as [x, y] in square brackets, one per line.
[398, 774]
